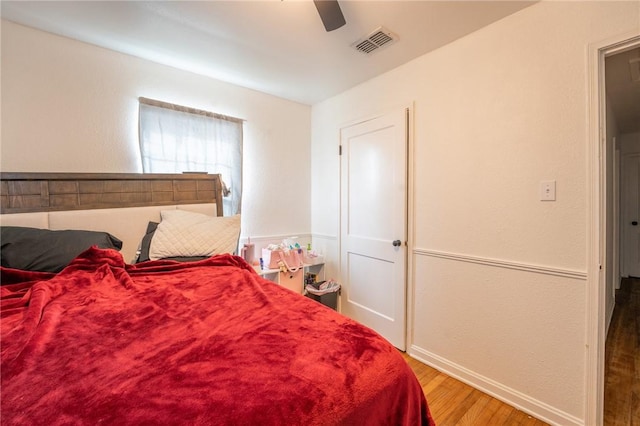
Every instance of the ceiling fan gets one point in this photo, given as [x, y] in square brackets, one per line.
[330, 13]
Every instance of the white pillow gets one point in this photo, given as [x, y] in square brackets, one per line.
[184, 233]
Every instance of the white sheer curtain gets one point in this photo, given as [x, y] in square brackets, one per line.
[175, 139]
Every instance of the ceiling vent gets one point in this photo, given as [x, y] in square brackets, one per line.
[378, 39]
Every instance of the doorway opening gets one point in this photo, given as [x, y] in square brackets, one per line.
[614, 126]
[622, 199]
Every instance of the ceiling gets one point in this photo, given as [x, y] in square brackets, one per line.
[273, 46]
[622, 85]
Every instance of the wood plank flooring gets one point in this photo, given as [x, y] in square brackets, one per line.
[622, 358]
[455, 403]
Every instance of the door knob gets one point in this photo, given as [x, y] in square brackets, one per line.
[397, 243]
[634, 223]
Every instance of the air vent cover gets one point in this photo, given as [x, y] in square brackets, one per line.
[379, 38]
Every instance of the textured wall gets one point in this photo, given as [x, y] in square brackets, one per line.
[613, 272]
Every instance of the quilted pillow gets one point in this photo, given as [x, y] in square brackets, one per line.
[184, 233]
[145, 245]
[34, 249]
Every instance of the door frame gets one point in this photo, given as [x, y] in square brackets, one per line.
[616, 196]
[597, 220]
[409, 220]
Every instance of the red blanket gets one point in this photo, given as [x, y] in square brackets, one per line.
[210, 342]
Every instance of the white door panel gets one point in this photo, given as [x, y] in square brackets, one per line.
[373, 216]
[367, 184]
[365, 270]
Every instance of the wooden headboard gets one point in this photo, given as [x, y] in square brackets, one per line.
[45, 192]
[119, 203]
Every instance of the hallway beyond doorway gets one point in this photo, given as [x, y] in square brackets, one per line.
[622, 358]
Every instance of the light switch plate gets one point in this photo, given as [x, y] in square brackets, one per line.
[548, 190]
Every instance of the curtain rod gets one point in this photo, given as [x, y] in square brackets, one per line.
[167, 105]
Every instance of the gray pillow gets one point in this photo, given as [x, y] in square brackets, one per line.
[34, 249]
[146, 242]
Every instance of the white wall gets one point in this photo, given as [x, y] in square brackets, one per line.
[69, 106]
[629, 143]
[613, 273]
[499, 278]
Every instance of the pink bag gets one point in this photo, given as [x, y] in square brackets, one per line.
[291, 259]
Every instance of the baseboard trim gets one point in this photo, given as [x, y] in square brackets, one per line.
[523, 402]
[325, 237]
[274, 238]
[302, 235]
[537, 269]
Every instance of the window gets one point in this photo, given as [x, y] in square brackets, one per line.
[176, 139]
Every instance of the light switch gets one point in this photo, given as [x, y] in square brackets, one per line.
[548, 190]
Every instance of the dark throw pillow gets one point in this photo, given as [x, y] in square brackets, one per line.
[146, 242]
[34, 249]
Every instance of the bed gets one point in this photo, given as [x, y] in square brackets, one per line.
[205, 342]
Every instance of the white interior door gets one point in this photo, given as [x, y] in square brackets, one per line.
[373, 224]
[630, 226]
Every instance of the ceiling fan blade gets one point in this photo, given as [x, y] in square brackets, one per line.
[330, 13]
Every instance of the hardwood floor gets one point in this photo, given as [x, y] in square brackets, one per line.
[455, 403]
[622, 358]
